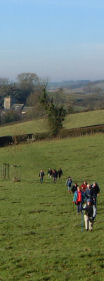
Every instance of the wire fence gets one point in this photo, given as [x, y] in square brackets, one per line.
[10, 172]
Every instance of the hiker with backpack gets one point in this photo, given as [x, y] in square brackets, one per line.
[49, 172]
[60, 173]
[84, 186]
[88, 192]
[95, 190]
[74, 188]
[79, 199]
[90, 214]
[41, 175]
[54, 175]
[69, 183]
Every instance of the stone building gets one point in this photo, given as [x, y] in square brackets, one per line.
[7, 103]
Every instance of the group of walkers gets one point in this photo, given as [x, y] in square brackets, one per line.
[52, 173]
[85, 198]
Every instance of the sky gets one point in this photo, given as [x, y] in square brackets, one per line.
[56, 39]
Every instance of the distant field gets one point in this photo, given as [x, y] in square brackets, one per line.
[41, 125]
[84, 119]
[34, 126]
[41, 236]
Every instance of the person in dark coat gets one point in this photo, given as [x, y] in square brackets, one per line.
[95, 190]
[74, 188]
[89, 216]
[41, 175]
[54, 175]
[88, 192]
[60, 173]
[49, 172]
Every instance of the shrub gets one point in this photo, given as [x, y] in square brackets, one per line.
[10, 116]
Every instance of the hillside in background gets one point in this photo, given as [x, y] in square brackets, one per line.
[81, 95]
[71, 84]
[41, 125]
[24, 96]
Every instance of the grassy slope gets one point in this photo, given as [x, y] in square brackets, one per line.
[34, 126]
[84, 119]
[71, 121]
[40, 233]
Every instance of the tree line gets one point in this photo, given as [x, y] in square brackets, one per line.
[29, 89]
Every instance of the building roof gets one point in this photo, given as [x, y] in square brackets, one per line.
[26, 109]
[17, 107]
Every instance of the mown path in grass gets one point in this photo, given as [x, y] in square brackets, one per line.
[40, 232]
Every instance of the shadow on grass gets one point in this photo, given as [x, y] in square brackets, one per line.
[30, 233]
[16, 202]
[3, 199]
[37, 211]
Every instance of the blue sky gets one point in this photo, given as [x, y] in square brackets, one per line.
[56, 39]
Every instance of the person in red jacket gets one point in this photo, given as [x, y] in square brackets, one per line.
[84, 186]
[78, 199]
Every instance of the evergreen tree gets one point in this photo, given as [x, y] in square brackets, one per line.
[56, 114]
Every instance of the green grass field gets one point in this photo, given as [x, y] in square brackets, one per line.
[84, 119]
[41, 125]
[40, 232]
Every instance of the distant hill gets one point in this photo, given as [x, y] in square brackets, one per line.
[97, 84]
[82, 94]
[71, 84]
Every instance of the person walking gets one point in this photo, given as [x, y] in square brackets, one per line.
[60, 173]
[74, 188]
[88, 192]
[78, 199]
[54, 175]
[49, 172]
[69, 183]
[84, 186]
[90, 214]
[95, 190]
[41, 175]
